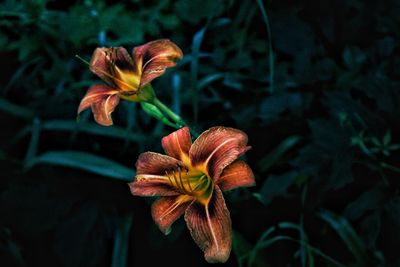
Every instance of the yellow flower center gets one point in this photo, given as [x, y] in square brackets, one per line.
[192, 182]
[126, 80]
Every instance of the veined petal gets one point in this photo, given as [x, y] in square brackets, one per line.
[107, 63]
[235, 175]
[166, 210]
[177, 144]
[152, 185]
[210, 227]
[216, 148]
[153, 58]
[155, 163]
[103, 100]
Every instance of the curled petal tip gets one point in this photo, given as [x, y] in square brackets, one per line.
[155, 57]
[103, 100]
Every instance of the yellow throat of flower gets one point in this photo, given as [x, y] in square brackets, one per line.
[192, 182]
[128, 81]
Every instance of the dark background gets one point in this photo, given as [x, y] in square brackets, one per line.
[315, 85]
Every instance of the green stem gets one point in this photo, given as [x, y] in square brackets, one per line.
[167, 111]
[390, 167]
[179, 122]
[271, 52]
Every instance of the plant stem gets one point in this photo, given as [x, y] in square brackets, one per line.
[167, 111]
[179, 122]
[271, 52]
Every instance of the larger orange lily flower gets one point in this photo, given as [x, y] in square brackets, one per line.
[126, 77]
[190, 180]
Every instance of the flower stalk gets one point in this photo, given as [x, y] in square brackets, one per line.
[167, 111]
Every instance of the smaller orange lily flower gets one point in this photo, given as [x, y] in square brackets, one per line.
[127, 77]
[190, 180]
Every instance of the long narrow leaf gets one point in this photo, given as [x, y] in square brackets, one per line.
[88, 162]
[93, 128]
[121, 242]
[271, 53]
[33, 144]
[272, 240]
[194, 68]
[270, 159]
[15, 110]
[348, 235]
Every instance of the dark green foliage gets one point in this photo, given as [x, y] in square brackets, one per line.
[315, 85]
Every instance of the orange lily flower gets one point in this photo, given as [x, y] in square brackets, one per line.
[126, 77]
[190, 180]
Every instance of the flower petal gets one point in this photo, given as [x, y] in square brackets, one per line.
[107, 63]
[103, 100]
[216, 148]
[155, 163]
[210, 227]
[152, 185]
[153, 58]
[166, 210]
[236, 175]
[177, 144]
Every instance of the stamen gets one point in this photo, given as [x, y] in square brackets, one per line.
[182, 189]
[166, 174]
[180, 178]
[170, 209]
[190, 187]
[195, 184]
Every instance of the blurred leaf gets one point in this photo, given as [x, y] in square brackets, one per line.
[78, 25]
[10, 250]
[265, 241]
[205, 81]
[195, 10]
[194, 69]
[86, 161]
[274, 186]
[270, 159]
[298, 35]
[370, 228]
[80, 237]
[329, 157]
[20, 72]
[348, 235]
[242, 248]
[367, 201]
[387, 138]
[93, 128]
[272, 106]
[353, 57]
[270, 50]
[127, 28]
[15, 110]
[121, 241]
[33, 144]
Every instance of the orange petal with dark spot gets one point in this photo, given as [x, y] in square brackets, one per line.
[210, 227]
